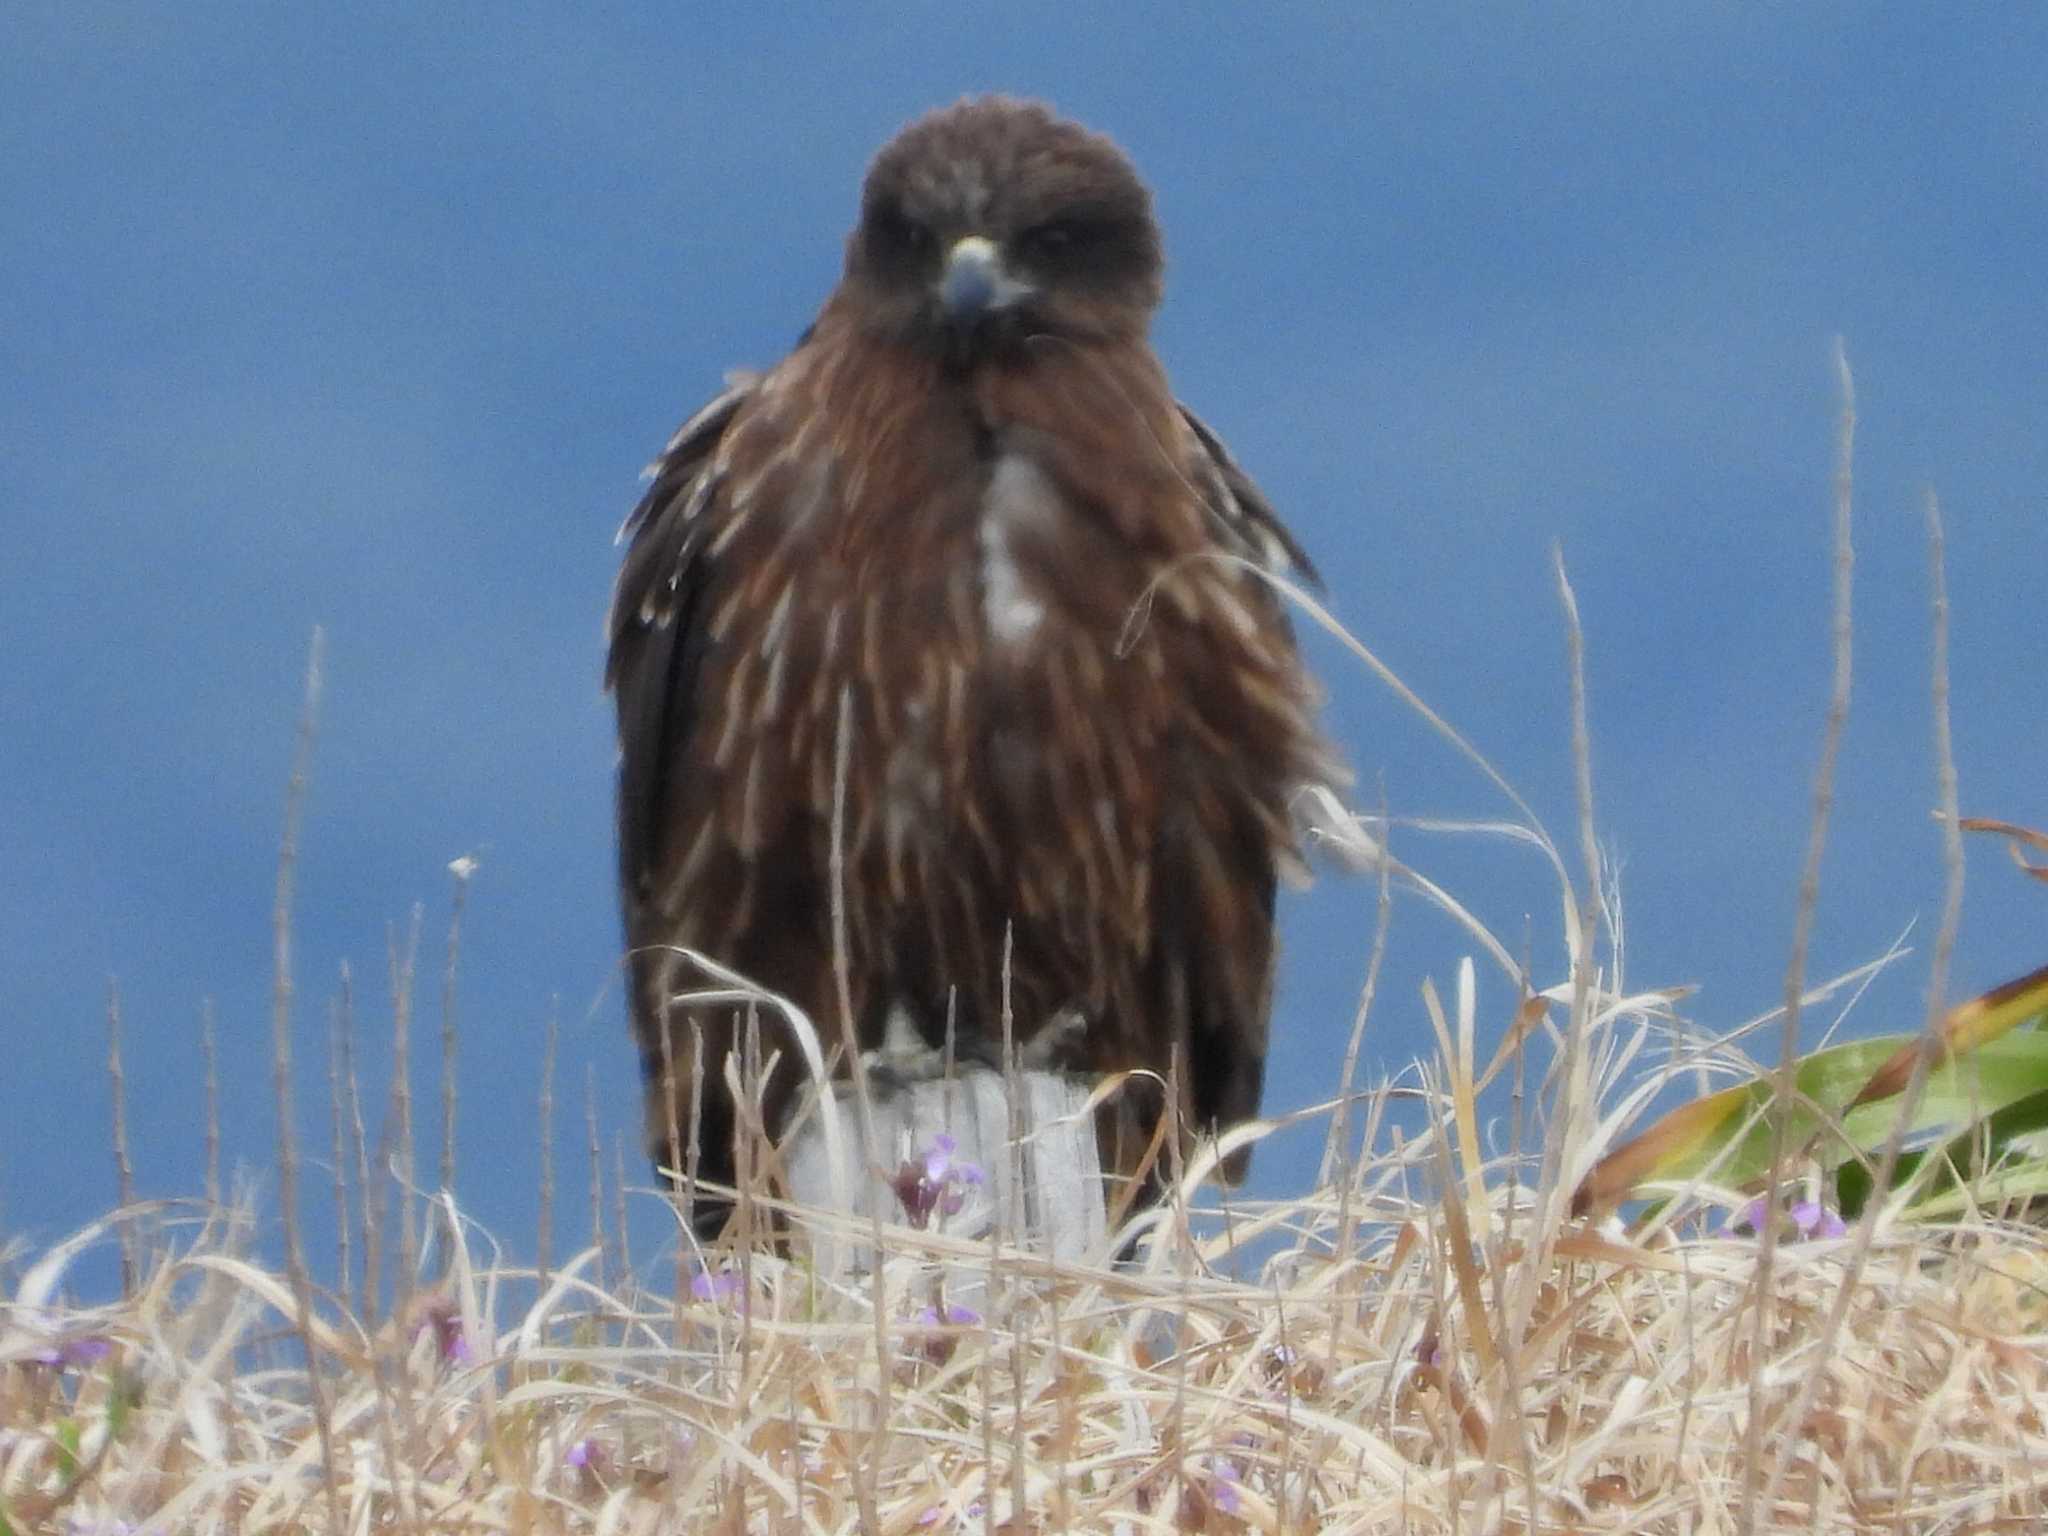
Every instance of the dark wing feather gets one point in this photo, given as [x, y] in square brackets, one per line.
[657, 635]
[1221, 915]
[1249, 518]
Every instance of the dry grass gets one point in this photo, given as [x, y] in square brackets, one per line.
[1449, 1361]
[1427, 1342]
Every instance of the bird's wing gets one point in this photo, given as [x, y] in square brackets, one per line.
[1225, 850]
[656, 630]
[1246, 521]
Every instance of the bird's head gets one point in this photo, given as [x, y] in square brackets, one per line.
[992, 221]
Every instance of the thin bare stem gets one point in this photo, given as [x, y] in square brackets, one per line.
[864, 1489]
[461, 869]
[1787, 1077]
[1949, 818]
[544, 1240]
[1945, 779]
[124, 1169]
[1574, 1092]
[619, 1203]
[596, 1151]
[209, 1055]
[367, 1187]
[1336, 1147]
[281, 1072]
[402, 965]
[337, 1147]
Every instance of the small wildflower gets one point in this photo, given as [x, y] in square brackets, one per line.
[584, 1454]
[451, 1343]
[1751, 1217]
[706, 1286]
[1815, 1220]
[1808, 1218]
[935, 1181]
[938, 1344]
[75, 1353]
[1223, 1485]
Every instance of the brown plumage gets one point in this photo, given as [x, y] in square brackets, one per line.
[966, 517]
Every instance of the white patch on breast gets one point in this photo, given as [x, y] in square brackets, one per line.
[1019, 497]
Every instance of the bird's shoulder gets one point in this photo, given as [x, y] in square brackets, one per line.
[664, 533]
[1242, 519]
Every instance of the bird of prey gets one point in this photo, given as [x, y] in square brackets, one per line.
[956, 616]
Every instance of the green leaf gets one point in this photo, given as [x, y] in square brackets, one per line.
[124, 1396]
[1727, 1135]
[1997, 1160]
[68, 1439]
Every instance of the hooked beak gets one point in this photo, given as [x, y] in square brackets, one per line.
[975, 282]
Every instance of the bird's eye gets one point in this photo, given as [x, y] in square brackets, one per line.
[1052, 240]
[901, 235]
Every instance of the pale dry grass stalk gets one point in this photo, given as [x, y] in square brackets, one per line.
[1948, 815]
[1370, 1386]
[124, 1168]
[1336, 1146]
[607, 1264]
[396, 1141]
[337, 1145]
[209, 1056]
[619, 1203]
[281, 993]
[369, 1189]
[1842, 632]
[545, 1221]
[460, 870]
[842, 749]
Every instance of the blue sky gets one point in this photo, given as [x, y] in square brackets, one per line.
[374, 326]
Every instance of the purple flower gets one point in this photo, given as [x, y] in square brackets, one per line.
[1223, 1485]
[1751, 1217]
[1815, 1220]
[938, 1345]
[73, 1353]
[1807, 1218]
[441, 1314]
[706, 1286]
[935, 1181]
[581, 1453]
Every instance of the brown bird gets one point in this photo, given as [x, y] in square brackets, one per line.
[965, 536]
